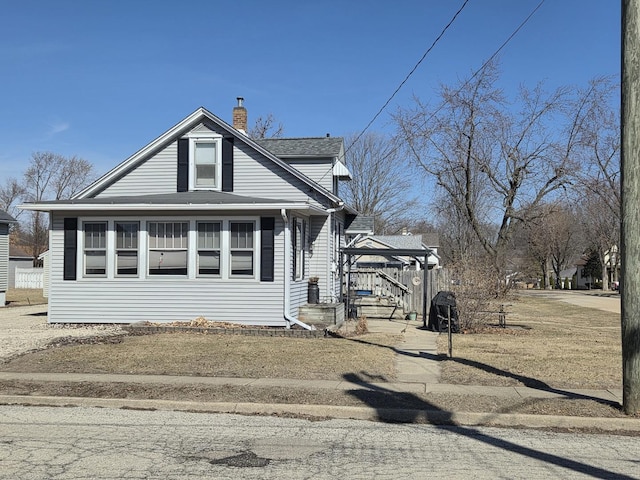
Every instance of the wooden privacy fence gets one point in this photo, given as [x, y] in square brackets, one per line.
[29, 277]
[405, 287]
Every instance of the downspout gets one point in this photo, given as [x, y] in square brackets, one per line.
[287, 276]
[331, 288]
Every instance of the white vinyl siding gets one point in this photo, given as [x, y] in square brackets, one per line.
[158, 174]
[256, 176]
[126, 299]
[320, 170]
[4, 257]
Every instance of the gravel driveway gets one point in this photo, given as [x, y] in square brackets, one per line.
[25, 329]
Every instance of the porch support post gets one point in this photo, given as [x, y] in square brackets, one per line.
[348, 286]
[425, 290]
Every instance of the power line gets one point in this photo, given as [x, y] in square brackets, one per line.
[464, 4]
[475, 74]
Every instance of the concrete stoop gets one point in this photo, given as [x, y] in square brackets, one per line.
[322, 315]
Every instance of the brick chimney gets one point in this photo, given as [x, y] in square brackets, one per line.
[240, 116]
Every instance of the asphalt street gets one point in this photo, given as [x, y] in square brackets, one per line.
[88, 443]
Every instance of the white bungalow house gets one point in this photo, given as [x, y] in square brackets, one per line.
[203, 221]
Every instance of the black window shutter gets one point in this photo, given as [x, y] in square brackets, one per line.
[227, 164]
[267, 244]
[183, 165]
[70, 248]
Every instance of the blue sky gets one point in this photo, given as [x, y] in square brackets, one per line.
[101, 79]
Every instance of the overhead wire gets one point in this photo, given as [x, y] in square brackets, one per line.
[435, 42]
[475, 74]
[415, 67]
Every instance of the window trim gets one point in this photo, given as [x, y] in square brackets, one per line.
[116, 222]
[186, 249]
[225, 222]
[254, 249]
[205, 137]
[105, 249]
[299, 248]
[198, 249]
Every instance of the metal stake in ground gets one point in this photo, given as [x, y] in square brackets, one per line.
[449, 331]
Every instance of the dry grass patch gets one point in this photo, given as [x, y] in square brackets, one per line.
[220, 356]
[549, 344]
[19, 297]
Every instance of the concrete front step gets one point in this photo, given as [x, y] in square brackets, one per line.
[321, 315]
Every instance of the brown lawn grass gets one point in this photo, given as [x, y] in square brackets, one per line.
[24, 296]
[554, 344]
[549, 343]
[220, 356]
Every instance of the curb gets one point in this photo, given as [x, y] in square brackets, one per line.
[433, 417]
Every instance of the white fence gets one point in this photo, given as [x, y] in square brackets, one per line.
[29, 277]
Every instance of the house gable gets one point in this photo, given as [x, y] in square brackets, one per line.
[247, 168]
[319, 158]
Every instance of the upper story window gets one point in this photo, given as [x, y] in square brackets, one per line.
[205, 161]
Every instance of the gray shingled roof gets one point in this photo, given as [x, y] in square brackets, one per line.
[361, 224]
[18, 252]
[6, 218]
[303, 147]
[203, 197]
[431, 239]
[401, 241]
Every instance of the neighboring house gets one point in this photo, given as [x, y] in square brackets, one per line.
[406, 241]
[203, 221]
[18, 258]
[5, 221]
[582, 281]
[612, 270]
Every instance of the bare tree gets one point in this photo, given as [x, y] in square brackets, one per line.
[381, 186]
[11, 194]
[600, 144]
[554, 239]
[602, 229]
[496, 162]
[458, 242]
[266, 127]
[50, 177]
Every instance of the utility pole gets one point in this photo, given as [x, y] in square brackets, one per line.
[630, 184]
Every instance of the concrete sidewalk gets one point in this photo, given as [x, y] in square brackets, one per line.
[418, 367]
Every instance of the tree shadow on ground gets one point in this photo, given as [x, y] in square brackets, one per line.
[524, 380]
[418, 410]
